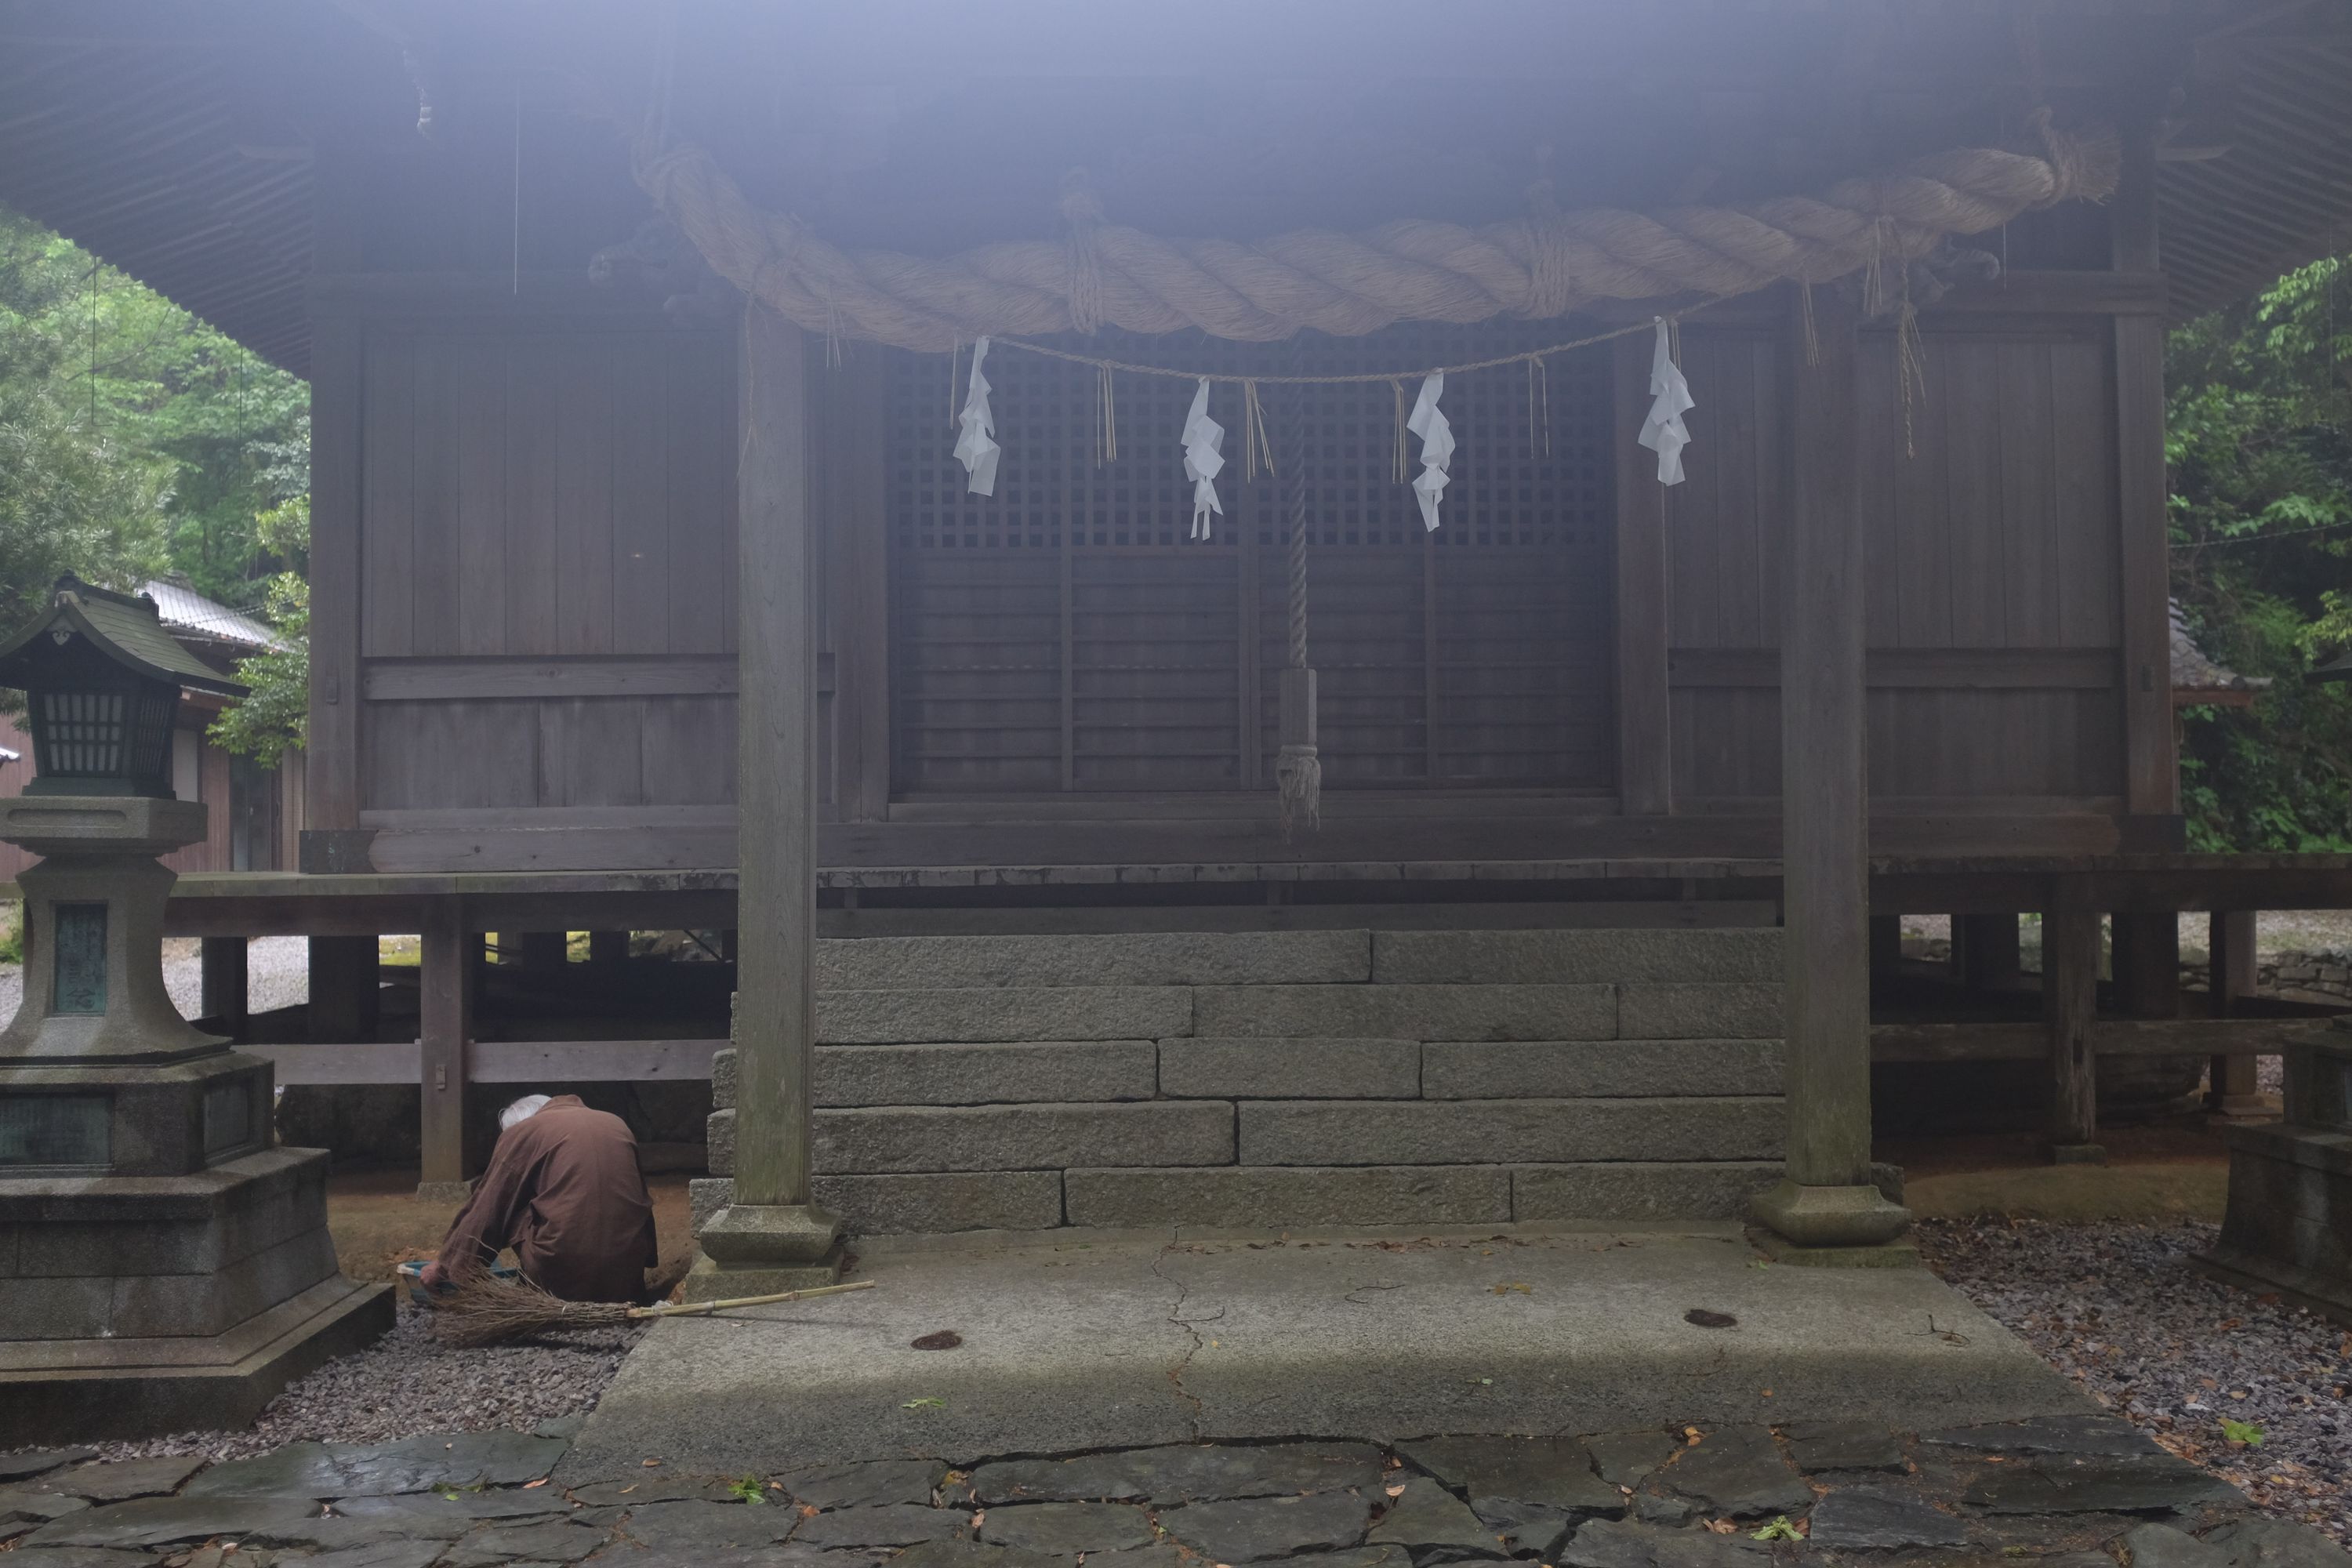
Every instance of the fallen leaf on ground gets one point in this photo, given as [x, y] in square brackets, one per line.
[1396, 1491]
[528, 1486]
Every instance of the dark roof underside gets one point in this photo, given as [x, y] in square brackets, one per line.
[177, 147]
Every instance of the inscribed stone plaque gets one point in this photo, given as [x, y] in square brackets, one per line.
[55, 1130]
[228, 1116]
[80, 974]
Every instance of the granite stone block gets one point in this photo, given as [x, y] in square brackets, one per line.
[992, 1074]
[1023, 1137]
[1271, 1068]
[1484, 1132]
[1274, 1196]
[1574, 957]
[1136, 958]
[1574, 1069]
[1408, 1012]
[1640, 1190]
[1009, 1013]
[1666, 1010]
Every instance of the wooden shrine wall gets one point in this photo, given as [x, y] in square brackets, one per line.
[1067, 636]
[1993, 572]
[546, 616]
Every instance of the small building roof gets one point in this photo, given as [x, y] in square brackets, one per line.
[126, 628]
[2198, 682]
[188, 613]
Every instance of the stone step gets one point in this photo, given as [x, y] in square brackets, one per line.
[1581, 1070]
[1506, 1131]
[1035, 1072]
[994, 1138]
[1574, 957]
[1272, 1197]
[926, 1204]
[985, 1013]
[1139, 958]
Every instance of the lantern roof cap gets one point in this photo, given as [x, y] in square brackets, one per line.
[128, 628]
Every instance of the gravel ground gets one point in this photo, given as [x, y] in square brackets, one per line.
[277, 974]
[2118, 1308]
[408, 1381]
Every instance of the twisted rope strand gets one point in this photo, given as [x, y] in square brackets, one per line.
[1351, 284]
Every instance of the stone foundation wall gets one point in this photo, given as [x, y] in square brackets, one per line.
[1272, 1078]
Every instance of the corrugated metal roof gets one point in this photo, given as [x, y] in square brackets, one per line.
[183, 610]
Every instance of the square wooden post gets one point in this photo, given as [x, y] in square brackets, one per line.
[773, 1236]
[2236, 1090]
[446, 955]
[222, 977]
[1985, 953]
[344, 988]
[1826, 1200]
[2070, 1005]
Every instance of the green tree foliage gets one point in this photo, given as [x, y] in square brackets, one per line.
[2260, 447]
[74, 495]
[144, 439]
[274, 715]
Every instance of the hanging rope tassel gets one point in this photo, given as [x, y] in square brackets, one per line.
[1298, 767]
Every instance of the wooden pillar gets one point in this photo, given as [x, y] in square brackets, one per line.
[2146, 964]
[1985, 953]
[772, 1234]
[343, 988]
[445, 1025]
[534, 950]
[2151, 766]
[2236, 1090]
[2069, 1004]
[1885, 947]
[223, 980]
[1826, 1199]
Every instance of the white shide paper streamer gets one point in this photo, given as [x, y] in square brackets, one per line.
[976, 449]
[1204, 460]
[1664, 431]
[1436, 447]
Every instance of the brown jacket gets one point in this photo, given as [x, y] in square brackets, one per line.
[564, 1191]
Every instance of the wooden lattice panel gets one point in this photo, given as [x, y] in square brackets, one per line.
[1067, 635]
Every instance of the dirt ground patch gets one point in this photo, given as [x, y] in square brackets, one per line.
[2167, 1172]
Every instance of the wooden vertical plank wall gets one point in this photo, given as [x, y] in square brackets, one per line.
[332, 799]
[1644, 717]
[2151, 774]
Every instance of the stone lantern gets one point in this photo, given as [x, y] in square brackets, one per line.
[168, 1267]
[2288, 1228]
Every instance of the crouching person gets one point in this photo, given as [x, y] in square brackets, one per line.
[563, 1190]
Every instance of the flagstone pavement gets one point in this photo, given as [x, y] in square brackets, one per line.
[2070, 1491]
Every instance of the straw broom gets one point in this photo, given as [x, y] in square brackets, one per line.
[482, 1310]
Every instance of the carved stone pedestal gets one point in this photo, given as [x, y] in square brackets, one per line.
[167, 1268]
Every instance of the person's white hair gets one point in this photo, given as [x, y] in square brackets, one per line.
[523, 1110]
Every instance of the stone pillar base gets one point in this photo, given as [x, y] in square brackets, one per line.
[757, 1249]
[1830, 1217]
[1900, 1253]
[2242, 1109]
[709, 1280]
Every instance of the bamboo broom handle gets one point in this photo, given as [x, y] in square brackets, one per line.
[697, 1308]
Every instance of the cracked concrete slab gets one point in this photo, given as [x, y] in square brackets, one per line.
[1078, 1343]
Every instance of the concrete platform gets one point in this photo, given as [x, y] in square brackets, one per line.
[1110, 1339]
